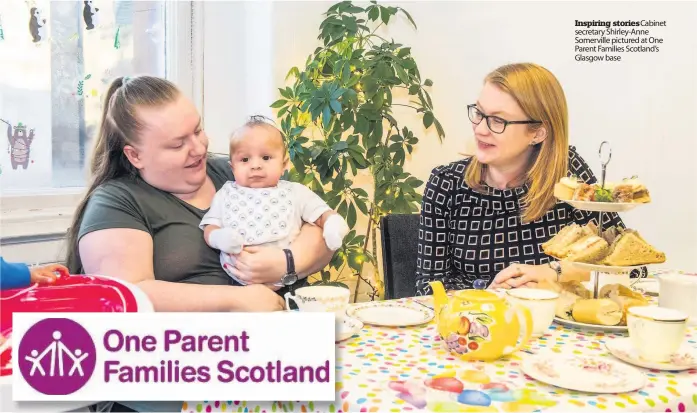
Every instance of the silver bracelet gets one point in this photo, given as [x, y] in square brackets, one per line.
[557, 268]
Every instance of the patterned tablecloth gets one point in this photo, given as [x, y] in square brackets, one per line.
[374, 367]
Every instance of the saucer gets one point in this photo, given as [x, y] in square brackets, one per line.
[622, 348]
[391, 313]
[583, 373]
[347, 327]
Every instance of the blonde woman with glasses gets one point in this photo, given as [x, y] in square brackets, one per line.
[484, 218]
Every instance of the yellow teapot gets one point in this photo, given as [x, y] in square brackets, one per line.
[478, 324]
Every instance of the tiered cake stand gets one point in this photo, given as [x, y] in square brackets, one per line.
[603, 208]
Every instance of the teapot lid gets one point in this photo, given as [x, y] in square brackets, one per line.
[477, 295]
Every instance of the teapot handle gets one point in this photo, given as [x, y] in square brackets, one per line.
[525, 320]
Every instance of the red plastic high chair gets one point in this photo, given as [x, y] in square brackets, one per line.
[69, 293]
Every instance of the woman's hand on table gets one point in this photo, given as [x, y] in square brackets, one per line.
[523, 275]
[260, 265]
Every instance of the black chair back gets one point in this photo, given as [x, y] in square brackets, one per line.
[400, 235]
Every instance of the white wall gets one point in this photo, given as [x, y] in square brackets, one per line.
[644, 105]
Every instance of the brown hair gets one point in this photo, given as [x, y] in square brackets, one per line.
[255, 121]
[541, 97]
[119, 126]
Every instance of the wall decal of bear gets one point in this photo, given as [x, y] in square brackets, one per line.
[90, 13]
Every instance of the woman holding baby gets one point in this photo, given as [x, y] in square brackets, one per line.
[484, 218]
[152, 182]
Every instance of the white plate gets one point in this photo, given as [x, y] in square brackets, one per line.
[604, 268]
[347, 327]
[622, 348]
[584, 373]
[603, 206]
[597, 327]
[391, 313]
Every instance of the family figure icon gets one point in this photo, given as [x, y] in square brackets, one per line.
[57, 356]
[56, 349]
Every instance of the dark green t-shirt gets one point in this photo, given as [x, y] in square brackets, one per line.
[180, 252]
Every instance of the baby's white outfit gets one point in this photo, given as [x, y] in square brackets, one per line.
[269, 216]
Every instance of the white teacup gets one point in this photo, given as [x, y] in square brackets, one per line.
[541, 303]
[656, 332]
[320, 298]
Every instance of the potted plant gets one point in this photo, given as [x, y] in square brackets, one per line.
[337, 118]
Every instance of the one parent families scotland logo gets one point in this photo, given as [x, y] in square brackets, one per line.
[174, 356]
[57, 356]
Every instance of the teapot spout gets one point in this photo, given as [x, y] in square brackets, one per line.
[440, 298]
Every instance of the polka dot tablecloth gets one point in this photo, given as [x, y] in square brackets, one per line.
[408, 370]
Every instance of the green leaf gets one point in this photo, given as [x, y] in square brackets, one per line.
[362, 206]
[360, 192]
[326, 117]
[408, 17]
[284, 93]
[385, 14]
[335, 105]
[439, 128]
[401, 74]
[340, 146]
[428, 119]
[374, 13]
[428, 82]
[351, 218]
[342, 208]
[88, 76]
[403, 52]
[414, 89]
[279, 103]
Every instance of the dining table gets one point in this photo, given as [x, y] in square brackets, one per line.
[386, 369]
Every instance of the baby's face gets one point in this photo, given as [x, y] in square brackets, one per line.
[258, 159]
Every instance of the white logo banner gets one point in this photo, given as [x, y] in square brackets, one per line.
[173, 356]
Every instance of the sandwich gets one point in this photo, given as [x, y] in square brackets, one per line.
[558, 246]
[565, 188]
[631, 190]
[590, 249]
[584, 192]
[630, 249]
[601, 311]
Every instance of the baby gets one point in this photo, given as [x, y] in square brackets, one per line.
[260, 208]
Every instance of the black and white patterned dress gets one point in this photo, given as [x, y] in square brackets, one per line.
[466, 235]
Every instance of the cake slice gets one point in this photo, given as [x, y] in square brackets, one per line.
[590, 249]
[631, 249]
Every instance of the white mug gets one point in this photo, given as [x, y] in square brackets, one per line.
[679, 291]
[320, 298]
[541, 303]
[656, 332]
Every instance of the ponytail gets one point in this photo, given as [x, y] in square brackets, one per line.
[119, 126]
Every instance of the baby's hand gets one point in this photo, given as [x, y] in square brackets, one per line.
[226, 240]
[335, 229]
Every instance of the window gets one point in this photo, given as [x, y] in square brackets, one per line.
[57, 59]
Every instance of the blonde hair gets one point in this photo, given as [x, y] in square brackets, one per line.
[120, 126]
[541, 97]
[256, 121]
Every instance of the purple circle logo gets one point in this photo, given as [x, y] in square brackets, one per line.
[57, 356]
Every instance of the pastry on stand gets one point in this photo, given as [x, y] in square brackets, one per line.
[611, 251]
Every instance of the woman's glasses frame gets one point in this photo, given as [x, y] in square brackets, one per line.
[473, 111]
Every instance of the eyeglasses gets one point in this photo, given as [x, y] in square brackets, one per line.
[495, 123]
